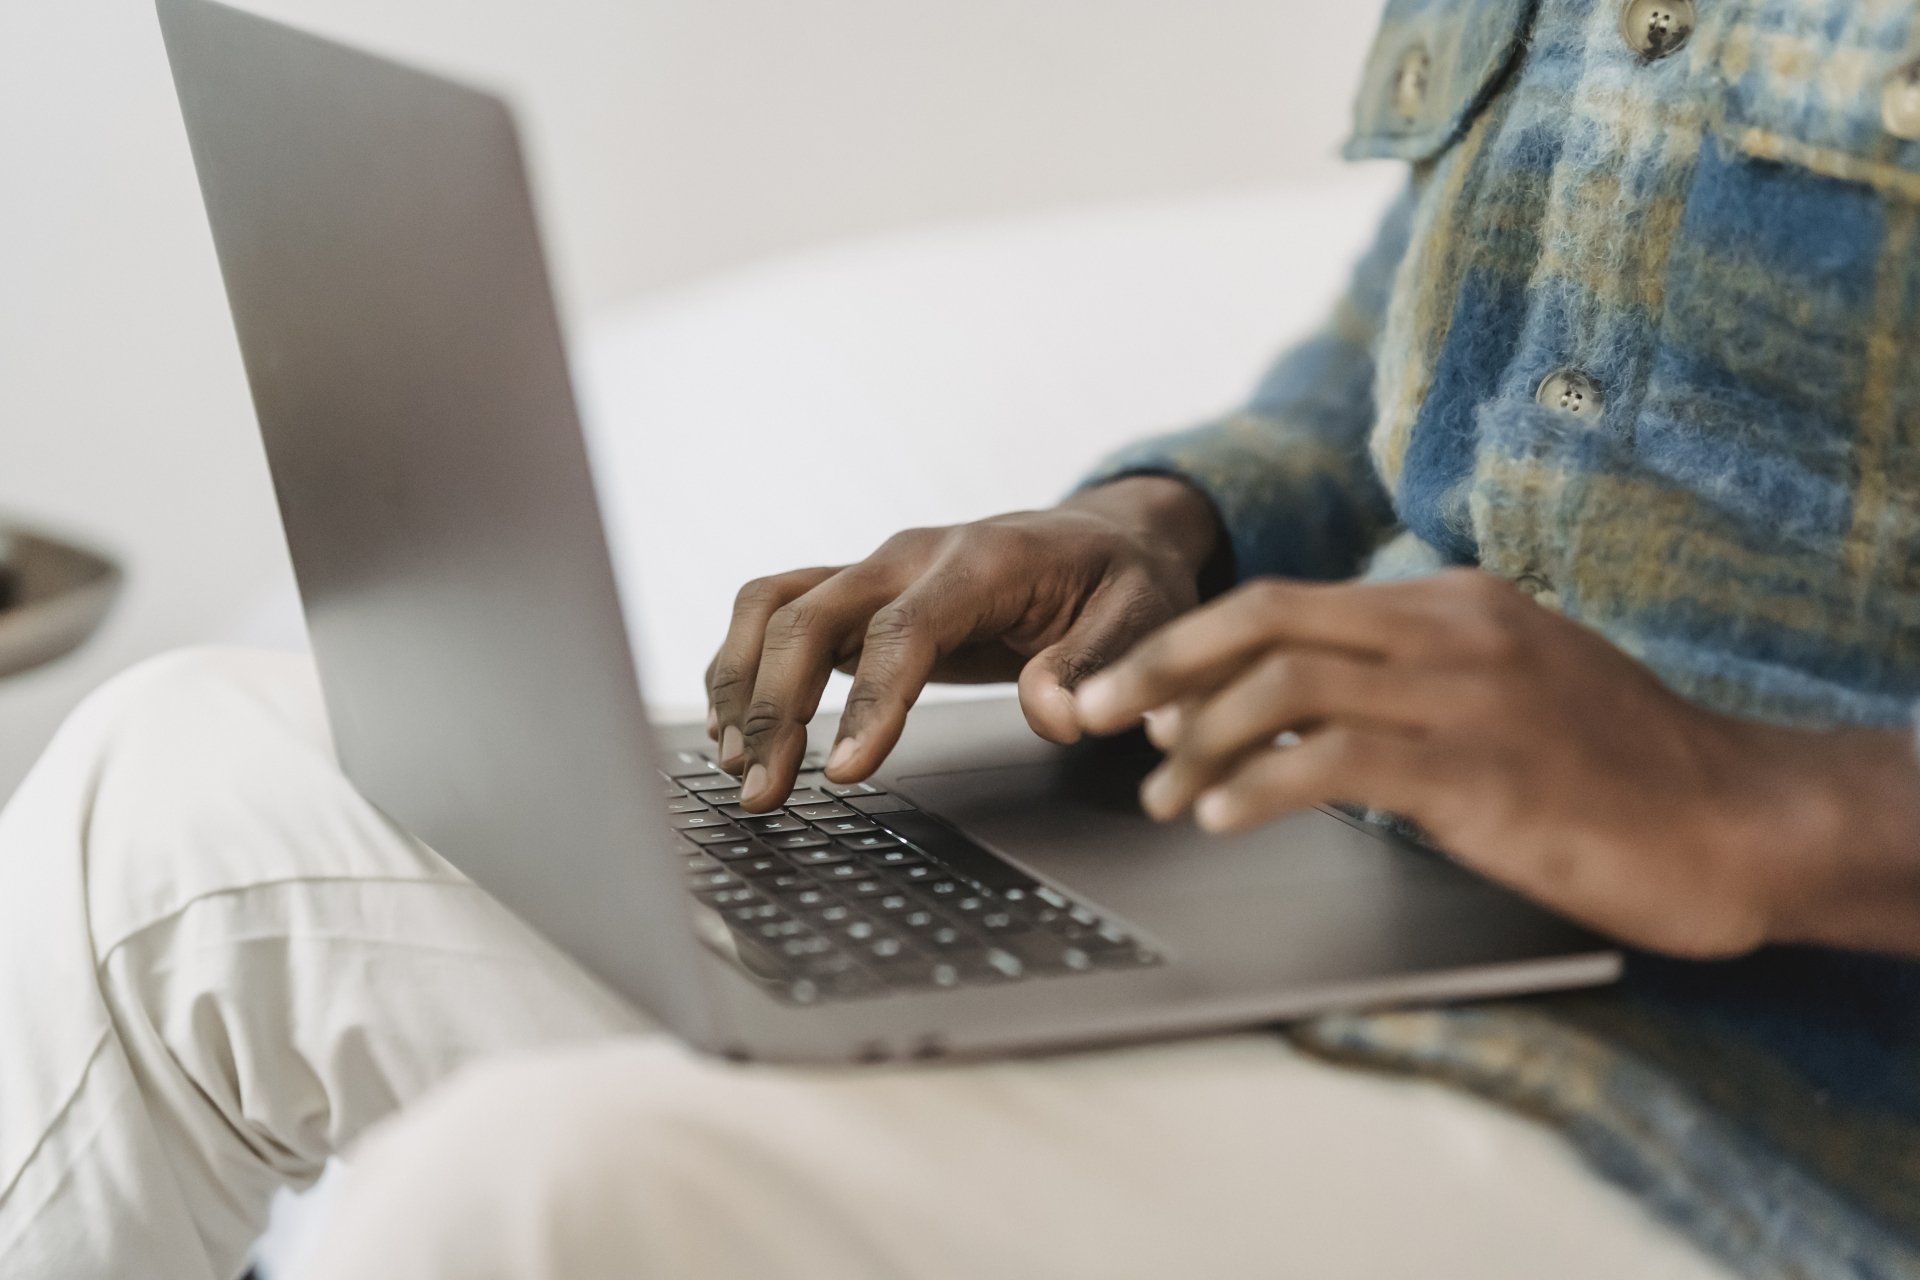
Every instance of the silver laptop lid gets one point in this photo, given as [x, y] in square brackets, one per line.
[378, 241]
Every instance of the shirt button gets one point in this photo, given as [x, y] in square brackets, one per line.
[1537, 587]
[1900, 103]
[1572, 392]
[1410, 83]
[1655, 28]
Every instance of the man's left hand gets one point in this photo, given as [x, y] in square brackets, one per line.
[1525, 744]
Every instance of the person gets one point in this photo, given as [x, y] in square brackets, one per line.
[1582, 539]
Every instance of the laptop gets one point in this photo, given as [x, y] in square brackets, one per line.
[985, 893]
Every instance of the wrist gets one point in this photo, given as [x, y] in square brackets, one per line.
[1175, 517]
[1840, 838]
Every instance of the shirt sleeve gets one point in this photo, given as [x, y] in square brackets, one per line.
[1288, 472]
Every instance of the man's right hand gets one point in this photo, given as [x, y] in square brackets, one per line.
[1047, 597]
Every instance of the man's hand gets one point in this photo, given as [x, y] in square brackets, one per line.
[1532, 750]
[1044, 596]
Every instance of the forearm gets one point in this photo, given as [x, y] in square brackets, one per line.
[1840, 840]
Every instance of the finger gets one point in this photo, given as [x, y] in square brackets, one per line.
[904, 642]
[1377, 767]
[1119, 612]
[804, 639]
[1200, 651]
[731, 674]
[1286, 691]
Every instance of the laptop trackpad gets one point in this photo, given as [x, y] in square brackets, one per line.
[1078, 821]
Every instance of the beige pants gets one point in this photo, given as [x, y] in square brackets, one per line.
[218, 967]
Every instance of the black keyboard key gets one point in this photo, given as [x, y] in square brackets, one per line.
[804, 795]
[817, 812]
[723, 795]
[1001, 922]
[821, 857]
[712, 880]
[944, 844]
[864, 931]
[799, 840]
[801, 948]
[920, 920]
[735, 811]
[855, 826]
[950, 941]
[727, 834]
[948, 890]
[755, 913]
[702, 817]
[786, 885]
[734, 850]
[845, 789]
[781, 929]
[873, 840]
[686, 804]
[925, 871]
[773, 824]
[892, 903]
[738, 896]
[701, 862]
[709, 782]
[901, 857]
[843, 871]
[761, 867]
[866, 889]
[682, 764]
[882, 803]
[837, 913]
[812, 898]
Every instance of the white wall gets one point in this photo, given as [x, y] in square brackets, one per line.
[673, 138]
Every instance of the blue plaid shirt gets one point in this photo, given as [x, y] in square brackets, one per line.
[1719, 248]
[1640, 336]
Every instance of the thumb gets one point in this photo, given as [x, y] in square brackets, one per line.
[1115, 617]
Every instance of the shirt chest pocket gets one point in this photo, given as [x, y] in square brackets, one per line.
[1831, 87]
[1787, 382]
[1432, 65]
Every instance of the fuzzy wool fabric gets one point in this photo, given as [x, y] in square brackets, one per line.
[1724, 242]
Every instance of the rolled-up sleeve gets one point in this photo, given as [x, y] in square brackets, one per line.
[1288, 472]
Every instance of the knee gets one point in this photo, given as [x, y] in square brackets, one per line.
[192, 772]
[638, 1152]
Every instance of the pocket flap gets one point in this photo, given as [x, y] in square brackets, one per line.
[1830, 85]
[1433, 63]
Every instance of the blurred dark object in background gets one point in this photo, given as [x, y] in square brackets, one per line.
[53, 596]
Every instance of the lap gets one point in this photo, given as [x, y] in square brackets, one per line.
[1228, 1156]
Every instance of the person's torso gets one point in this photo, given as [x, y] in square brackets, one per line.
[1650, 350]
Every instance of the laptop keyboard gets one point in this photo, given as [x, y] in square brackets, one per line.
[850, 891]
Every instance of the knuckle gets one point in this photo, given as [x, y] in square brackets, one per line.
[1076, 664]
[763, 721]
[892, 624]
[725, 679]
[755, 595]
[790, 622]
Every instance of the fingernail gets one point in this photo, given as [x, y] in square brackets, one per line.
[1158, 794]
[756, 782]
[731, 747]
[1214, 811]
[842, 755]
